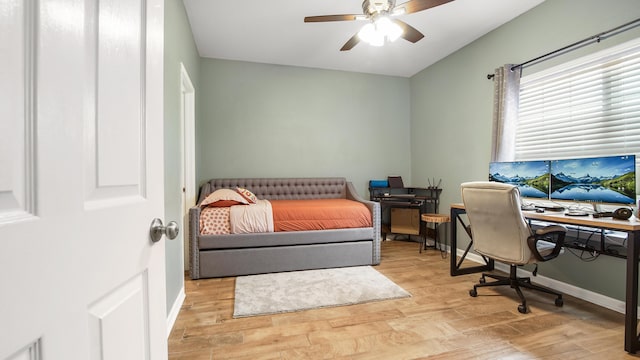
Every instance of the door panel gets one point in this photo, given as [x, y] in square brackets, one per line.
[115, 127]
[16, 130]
[117, 322]
[30, 352]
[81, 143]
[120, 86]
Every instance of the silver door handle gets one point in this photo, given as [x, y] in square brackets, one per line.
[158, 229]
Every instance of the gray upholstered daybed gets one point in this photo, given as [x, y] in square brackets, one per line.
[243, 254]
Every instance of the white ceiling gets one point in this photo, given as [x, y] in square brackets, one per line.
[274, 32]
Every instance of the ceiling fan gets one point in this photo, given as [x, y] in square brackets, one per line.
[382, 26]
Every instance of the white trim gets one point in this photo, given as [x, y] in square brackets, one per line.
[580, 293]
[175, 310]
[187, 158]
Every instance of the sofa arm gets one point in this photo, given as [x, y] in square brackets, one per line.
[374, 207]
[194, 250]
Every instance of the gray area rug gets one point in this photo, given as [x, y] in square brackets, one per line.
[302, 290]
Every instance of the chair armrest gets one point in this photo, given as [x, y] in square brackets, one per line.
[553, 234]
[551, 229]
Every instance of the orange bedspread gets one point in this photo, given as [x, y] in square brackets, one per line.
[319, 214]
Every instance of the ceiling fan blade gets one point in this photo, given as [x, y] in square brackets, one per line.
[324, 18]
[409, 33]
[351, 43]
[414, 6]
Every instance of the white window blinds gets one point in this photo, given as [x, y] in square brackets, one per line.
[588, 107]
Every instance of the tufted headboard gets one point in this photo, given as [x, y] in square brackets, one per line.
[282, 188]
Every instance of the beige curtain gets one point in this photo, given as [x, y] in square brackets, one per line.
[506, 93]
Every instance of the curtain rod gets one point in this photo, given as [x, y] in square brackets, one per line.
[577, 45]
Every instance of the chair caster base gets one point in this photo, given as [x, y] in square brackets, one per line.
[559, 302]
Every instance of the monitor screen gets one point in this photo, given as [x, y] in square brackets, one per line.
[609, 179]
[531, 177]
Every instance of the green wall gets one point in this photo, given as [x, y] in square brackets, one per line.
[258, 120]
[179, 47]
[451, 106]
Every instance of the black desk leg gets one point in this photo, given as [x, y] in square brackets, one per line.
[454, 267]
[631, 343]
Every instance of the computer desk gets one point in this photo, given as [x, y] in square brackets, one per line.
[631, 227]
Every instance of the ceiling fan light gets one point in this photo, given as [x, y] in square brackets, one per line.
[371, 35]
[377, 40]
[394, 32]
[367, 32]
[388, 28]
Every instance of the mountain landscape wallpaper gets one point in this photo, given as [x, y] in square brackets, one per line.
[609, 179]
[531, 177]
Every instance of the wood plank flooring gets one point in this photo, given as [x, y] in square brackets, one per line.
[439, 321]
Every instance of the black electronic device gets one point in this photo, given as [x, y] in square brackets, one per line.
[622, 214]
[395, 182]
[552, 207]
[603, 214]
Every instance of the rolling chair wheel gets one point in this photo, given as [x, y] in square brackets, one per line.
[559, 302]
[482, 280]
[473, 293]
[522, 309]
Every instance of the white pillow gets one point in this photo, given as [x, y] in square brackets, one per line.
[224, 198]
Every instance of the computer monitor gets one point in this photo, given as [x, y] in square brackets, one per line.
[607, 179]
[531, 177]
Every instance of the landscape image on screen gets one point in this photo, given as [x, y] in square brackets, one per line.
[610, 179]
[531, 177]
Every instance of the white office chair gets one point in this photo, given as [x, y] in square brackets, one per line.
[500, 232]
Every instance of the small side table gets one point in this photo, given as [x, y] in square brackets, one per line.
[436, 220]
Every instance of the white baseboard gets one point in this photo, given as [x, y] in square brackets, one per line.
[175, 310]
[580, 293]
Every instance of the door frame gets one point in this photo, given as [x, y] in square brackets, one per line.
[187, 148]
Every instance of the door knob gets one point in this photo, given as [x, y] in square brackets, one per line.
[158, 229]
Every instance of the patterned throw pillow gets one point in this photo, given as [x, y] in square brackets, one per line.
[247, 195]
[224, 197]
[215, 221]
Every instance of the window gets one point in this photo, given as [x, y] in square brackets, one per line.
[588, 107]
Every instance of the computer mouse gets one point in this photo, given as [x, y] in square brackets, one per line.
[539, 210]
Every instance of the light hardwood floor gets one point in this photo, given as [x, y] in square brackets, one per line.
[439, 321]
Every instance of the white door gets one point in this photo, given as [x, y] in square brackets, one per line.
[81, 178]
